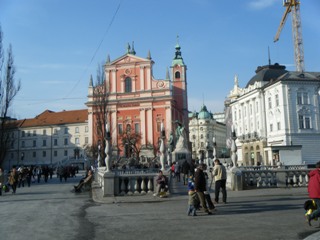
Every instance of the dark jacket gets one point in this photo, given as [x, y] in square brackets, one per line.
[199, 180]
[314, 184]
[185, 167]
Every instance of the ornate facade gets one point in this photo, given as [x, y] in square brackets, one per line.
[205, 131]
[139, 102]
[276, 117]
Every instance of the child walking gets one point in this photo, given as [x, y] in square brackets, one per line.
[193, 202]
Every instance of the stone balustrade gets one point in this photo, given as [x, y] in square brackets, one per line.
[128, 182]
[271, 177]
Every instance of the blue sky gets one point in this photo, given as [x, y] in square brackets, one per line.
[58, 44]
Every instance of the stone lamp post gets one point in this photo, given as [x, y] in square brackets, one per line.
[233, 147]
[108, 149]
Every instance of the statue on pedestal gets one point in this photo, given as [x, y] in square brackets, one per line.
[108, 149]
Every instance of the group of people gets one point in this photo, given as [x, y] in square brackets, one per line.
[197, 188]
[197, 180]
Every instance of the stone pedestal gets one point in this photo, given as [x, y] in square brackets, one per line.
[281, 179]
[179, 155]
[236, 179]
[108, 184]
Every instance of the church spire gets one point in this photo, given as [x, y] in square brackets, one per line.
[167, 75]
[177, 60]
[91, 81]
[149, 55]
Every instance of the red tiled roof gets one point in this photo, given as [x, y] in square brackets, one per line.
[56, 118]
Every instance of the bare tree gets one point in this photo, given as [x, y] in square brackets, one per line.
[9, 88]
[100, 99]
[131, 143]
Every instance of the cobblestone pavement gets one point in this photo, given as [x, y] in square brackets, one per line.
[52, 211]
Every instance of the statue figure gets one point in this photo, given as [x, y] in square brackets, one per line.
[180, 136]
[171, 142]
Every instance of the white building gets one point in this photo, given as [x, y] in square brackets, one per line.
[276, 117]
[49, 138]
[204, 131]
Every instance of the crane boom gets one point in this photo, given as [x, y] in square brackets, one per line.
[293, 6]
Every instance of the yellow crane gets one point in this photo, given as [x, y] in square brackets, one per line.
[293, 6]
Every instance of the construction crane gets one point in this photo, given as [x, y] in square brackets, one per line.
[293, 6]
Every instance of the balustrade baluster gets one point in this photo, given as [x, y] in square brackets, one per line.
[150, 185]
[129, 187]
[123, 186]
[295, 182]
[136, 186]
[143, 186]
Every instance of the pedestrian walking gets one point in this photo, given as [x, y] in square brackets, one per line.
[200, 187]
[220, 177]
[185, 168]
[2, 180]
[314, 192]
[13, 179]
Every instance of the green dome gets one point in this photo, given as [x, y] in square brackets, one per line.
[204, 114]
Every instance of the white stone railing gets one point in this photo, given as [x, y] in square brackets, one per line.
[280, 177]
[128, 182]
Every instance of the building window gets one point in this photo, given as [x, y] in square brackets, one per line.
[12, 144]
[65, 153]
[86, 129]
[304, 122]
[34, 132]
[55, 153]
[44, 143]
[307, 121]
[128, 85]
[55, 131]
[120, 128]
[34, 143]
[301, 122]
[250, 109]
[269, 103]
[271, 127]
[77, 141]
[23, 144]
[278, 125]
[66, 130]
[44, 154]
[28, 134]
[137, 128]
[23, 134]
[66, 141]
[201, 136]
[235, 115]
[305, 98]
[202, 144]
[86, 140]
[34, 154]
[55, 142]
[44, 132]
[177, 74]
[77, 129]
[277, 100]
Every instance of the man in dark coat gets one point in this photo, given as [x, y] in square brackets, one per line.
[314, 192]
[200, 187]
[185, 170]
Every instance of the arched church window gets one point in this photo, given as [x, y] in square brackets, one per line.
[127, 85]
[177, 75]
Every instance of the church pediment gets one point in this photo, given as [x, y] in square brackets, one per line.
[127, 59]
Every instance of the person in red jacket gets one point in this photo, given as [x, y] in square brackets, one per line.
[314, 192]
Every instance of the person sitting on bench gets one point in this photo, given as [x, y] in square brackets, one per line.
[84, 181]
[162, 183]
